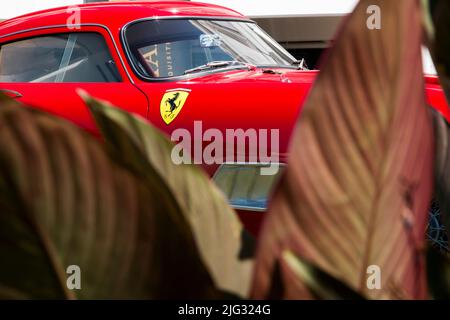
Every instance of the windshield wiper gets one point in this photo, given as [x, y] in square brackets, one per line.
[301, 64]
[217, 65]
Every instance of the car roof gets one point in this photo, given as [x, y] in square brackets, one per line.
[115, 14]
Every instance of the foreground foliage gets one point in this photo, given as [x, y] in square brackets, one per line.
[355, 192]
[64, 201]
[352, 195]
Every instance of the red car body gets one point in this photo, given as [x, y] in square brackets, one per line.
[240, 98]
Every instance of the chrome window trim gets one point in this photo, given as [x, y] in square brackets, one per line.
[247, 208]
[128, 54]
[74, 30]
[243, 164]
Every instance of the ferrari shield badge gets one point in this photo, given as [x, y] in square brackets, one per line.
[172, 103]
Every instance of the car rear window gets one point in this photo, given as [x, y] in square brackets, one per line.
[71, 57]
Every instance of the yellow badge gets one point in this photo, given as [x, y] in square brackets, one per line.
[172, 103]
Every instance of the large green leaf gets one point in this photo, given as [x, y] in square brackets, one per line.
[359, 177]
[438, 26]
[63, 202]
[216, 227]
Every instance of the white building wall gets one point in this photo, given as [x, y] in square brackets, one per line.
[254, 8]
[258, 8]
[11, 9]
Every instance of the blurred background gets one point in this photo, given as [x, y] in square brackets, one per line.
[304, 27]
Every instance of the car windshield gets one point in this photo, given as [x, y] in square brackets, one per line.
[174, 47]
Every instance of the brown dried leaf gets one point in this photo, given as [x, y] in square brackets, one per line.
[359, 176]
[63, 202]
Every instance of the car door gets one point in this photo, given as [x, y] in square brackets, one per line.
[46, 68]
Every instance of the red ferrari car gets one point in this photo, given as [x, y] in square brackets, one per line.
[191, 69]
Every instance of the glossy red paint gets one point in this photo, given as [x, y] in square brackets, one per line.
[225, 100]
[436, 97]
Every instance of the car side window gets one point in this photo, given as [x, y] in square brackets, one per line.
[62, 58]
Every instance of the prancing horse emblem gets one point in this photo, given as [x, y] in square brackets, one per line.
[172, 103]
